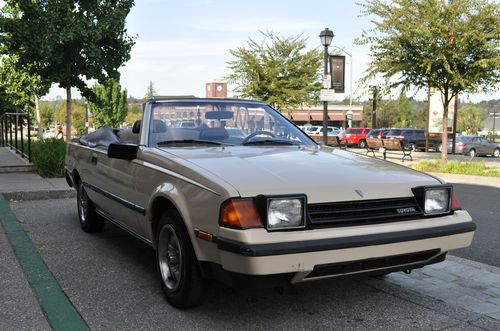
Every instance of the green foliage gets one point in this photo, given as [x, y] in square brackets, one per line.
[110, 107]
[134, 113]
[48, 156]
[470, 116]
[457, 167]
[48, 114]
[277, 70]
[150, 91]
[403, 112]
[78, 115]
[452, 46]
[67, 42]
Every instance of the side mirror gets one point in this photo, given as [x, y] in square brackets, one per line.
[122, 151]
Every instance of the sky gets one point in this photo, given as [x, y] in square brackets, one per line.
[181, 45]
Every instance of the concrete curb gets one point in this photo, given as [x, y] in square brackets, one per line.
[40, 195]
[467, 179]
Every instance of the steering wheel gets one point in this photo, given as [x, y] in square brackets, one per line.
[257, 133]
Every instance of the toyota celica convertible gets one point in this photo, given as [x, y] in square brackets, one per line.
[267, 206]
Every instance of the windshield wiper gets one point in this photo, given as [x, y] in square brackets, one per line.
[269, 142]
[189, 142]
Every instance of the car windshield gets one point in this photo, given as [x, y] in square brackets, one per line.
[221, 122]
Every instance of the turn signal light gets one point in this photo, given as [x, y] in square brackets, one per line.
[455, 204]
[240, 214]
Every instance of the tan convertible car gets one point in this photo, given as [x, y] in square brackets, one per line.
[243, 196]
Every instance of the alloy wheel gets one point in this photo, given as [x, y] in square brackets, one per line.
[170, 257]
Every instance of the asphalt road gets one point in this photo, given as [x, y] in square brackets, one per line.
[110, 278]
[483, 204]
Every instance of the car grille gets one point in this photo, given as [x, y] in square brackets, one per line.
[349, 213]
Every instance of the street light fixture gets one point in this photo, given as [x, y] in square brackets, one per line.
[326, 37]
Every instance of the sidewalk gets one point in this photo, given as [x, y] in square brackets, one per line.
[18, 180]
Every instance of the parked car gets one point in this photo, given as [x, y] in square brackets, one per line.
[415, 138]
[185, 124]
[48, 134]
[331, 131]
[475, 146]
[236, 132]
[269, 209]
[355, 137]
[311, 129]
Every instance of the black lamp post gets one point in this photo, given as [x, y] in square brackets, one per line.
[326, 37]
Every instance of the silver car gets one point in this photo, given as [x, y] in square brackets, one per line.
[475, 146]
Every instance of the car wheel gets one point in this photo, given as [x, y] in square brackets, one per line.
[90, 221]
[440, 147]
[362, 144]
[472, 152]
[179, 272]
[496, 152]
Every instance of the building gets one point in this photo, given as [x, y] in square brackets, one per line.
[336, 115]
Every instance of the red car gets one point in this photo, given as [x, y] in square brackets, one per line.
[355, 137]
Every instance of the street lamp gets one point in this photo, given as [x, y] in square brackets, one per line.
[326, 37]
[350, 88]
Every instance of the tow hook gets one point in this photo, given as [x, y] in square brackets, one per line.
[407, 271]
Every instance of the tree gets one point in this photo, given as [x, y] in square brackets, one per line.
[449, 45]
[150, 92]
[469, 117]
[277, 70]
[68, 42]
[23, 87]
[110, 106]
[48, 113]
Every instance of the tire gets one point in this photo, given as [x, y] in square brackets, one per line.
[472, 152]
[90, 221]
[362, 144]
[412, 147]
[440, 148]
[176, 262]
[496, 152]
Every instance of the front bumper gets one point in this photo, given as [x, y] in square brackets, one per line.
[327, 249]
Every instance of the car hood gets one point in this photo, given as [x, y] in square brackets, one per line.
[322, 174]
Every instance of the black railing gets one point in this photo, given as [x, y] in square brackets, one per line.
[12, 133]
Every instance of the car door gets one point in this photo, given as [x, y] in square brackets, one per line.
[114, 182]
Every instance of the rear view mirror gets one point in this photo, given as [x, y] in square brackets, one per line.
[123, 151]
[219, 115]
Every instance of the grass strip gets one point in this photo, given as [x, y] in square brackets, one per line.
[57, 308]
[457, 168]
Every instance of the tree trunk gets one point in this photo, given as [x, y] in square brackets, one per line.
[444, 136]
[68, 114]
[38, 117]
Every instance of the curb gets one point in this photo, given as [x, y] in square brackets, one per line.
[40, 195]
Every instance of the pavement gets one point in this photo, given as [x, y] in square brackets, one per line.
[54, 276]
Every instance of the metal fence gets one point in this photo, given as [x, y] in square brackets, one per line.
[12, 129]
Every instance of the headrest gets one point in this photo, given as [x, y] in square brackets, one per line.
[213, 134]
[137, 127]
[159, 126]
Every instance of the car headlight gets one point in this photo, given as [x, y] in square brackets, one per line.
[434, 199]
[286, 213]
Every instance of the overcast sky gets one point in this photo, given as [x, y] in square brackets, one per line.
[181, 45]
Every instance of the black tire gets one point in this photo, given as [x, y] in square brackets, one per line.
[176, 262]
[362, 144]
[90, 221]
[496, 152]
[472, 152]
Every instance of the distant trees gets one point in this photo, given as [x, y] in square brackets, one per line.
[278, 70]
[150, 91]
[67, 42]
[110, 104]
[451, 46]
[470, 117]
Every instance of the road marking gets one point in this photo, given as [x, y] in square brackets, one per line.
[57, 308]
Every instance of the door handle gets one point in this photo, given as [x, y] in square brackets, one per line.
[93, 159]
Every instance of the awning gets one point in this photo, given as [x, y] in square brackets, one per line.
[300, 117]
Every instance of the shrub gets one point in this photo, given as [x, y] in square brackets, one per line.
[48, 156]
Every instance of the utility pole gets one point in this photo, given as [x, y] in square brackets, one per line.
[374, 113]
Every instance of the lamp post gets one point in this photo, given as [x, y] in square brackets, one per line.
[326, 37]
[350, 81]
[374, 112]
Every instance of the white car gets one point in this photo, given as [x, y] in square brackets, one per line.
[48, 134]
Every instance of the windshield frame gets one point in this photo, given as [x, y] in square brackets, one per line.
[278, 119]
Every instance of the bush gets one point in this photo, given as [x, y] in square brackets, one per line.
[48, 156]
[457, 167]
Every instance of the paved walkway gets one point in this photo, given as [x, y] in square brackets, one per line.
[10, 162]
